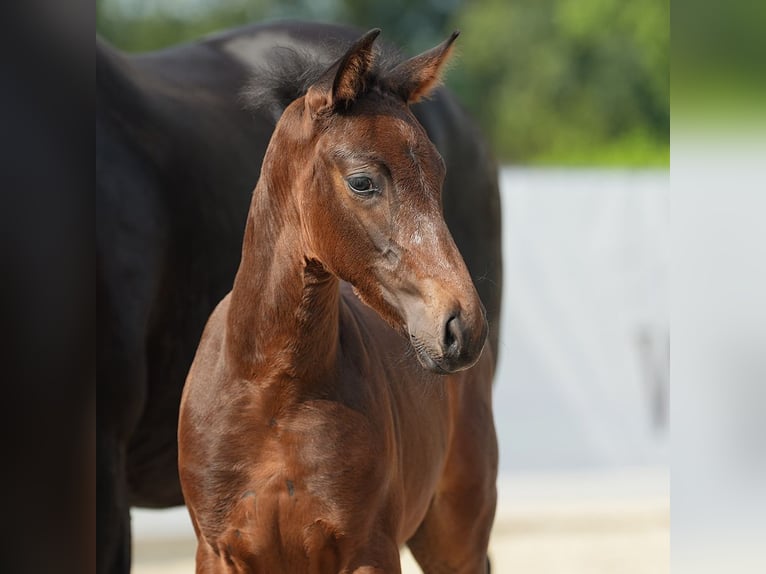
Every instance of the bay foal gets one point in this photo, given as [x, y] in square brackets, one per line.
[314, 435]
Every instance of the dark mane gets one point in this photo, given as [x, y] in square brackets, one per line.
[288, 72]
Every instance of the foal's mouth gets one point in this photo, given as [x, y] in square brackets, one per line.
[427, 358]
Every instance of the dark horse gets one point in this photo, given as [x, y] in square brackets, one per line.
[176, 159]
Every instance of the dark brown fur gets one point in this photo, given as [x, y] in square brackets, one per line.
[310, 440]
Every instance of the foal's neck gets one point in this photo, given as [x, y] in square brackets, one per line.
[283, 311]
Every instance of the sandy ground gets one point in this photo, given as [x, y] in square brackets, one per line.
[591, 523]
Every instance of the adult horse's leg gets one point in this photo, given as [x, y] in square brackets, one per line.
[454, 534]
[112, 509]
[120, 396]
[115, 416]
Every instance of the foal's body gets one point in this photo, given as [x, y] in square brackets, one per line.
[311, 437]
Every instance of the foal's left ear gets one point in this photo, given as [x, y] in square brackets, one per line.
[416, 78]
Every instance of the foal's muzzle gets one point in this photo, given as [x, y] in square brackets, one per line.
[462, 340]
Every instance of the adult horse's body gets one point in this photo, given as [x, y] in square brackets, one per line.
[309, 439]
[176, 159]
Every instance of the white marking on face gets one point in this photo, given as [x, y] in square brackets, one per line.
[425, 233]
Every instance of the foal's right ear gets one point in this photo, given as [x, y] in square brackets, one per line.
[346, 79]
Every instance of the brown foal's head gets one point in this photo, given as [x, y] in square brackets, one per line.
[369, 196]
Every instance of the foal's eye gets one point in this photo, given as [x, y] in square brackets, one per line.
[361, 185]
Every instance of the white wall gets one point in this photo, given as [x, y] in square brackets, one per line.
[583, 364]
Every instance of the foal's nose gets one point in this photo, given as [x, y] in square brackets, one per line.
[463, 339]
[453, 336]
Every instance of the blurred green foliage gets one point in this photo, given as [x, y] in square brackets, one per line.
[566, 82]
[718, 58]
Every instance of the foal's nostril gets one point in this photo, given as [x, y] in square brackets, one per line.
[452, 336]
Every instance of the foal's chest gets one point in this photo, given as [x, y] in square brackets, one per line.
[319, 474]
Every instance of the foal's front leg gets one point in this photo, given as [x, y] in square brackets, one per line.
[454, 534]
[381, 556]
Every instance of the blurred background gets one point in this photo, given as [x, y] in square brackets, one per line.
[574, 98]
[552, 82]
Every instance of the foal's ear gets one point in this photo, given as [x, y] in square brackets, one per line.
[416, 78]
[346, 79]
